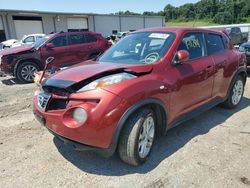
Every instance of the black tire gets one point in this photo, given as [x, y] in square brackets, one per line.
[26, 66]
[129, 140]
[229, 102]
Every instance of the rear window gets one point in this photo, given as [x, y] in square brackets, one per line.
[76, 39]
[215, 43]
[90, 38]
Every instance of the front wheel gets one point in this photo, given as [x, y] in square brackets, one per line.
[25, 72]
[138, 137]
[235, 93]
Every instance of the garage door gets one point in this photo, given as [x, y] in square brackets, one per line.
[2, 32]
[25, 27]
[77, 24]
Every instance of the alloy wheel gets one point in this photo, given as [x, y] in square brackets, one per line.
[27, 72]
[237, 92]
[146, 137]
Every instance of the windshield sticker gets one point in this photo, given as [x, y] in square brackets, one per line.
[159, 35]
[192, 43]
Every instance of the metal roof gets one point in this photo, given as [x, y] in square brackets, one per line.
[37, 12]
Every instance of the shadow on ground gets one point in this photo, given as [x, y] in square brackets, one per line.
[164, 147]
[10, 81]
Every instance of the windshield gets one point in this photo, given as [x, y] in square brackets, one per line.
[40, 41]
[139, 48]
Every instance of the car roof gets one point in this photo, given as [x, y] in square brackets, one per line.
[77, 32]
[178, 30]
[36, 34]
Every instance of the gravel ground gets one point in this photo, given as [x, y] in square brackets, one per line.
[212, 150]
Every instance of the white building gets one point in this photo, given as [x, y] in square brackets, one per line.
[16, 23]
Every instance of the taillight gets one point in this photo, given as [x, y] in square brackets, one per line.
[109, 44]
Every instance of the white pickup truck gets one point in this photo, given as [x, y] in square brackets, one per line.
[27, 39]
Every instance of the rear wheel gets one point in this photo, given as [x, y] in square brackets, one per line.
[235, 93]
[25, 72]
[138, 137]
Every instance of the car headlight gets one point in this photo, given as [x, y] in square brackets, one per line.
[107, 80]
[242, 49]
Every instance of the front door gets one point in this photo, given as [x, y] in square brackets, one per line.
[60, 51]
[195, 77]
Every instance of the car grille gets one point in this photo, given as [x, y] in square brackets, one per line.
[42, 100]
[57, 104]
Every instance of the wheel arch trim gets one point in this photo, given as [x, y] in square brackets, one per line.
[126, 115]
[24, 60]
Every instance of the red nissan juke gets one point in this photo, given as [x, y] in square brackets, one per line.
[149, 82]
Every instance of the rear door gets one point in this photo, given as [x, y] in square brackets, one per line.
[217, 47]
[78, 47]
[60, 51]
[194, 82]
[93, 46]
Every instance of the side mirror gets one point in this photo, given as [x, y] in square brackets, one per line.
[50, 45]
[182, 56]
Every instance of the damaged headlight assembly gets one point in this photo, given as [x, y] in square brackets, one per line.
[107, 80]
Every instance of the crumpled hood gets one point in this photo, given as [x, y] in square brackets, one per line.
[90, 69]
[15, 50]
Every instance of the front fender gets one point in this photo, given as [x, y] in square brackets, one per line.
[130, 111]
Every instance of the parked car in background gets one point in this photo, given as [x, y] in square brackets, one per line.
[245, 47]
[27, 39]
[122, 34]
[237, 37]
[147, 83]
[8, 43]
[68, 48]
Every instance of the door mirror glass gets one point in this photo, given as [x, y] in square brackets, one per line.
[183, 56]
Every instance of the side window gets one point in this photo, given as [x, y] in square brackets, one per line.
[214, 44]
[39, 37]
[76, 39]
[194, 44]
[29, 39]
[233, 30]
[90, 38]
[59, 41]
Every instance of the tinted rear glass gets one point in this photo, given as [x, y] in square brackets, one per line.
[90, 38]
[76, 39]
[214, 44]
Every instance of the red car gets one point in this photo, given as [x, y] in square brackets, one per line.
[67, 48]
[149, 82]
